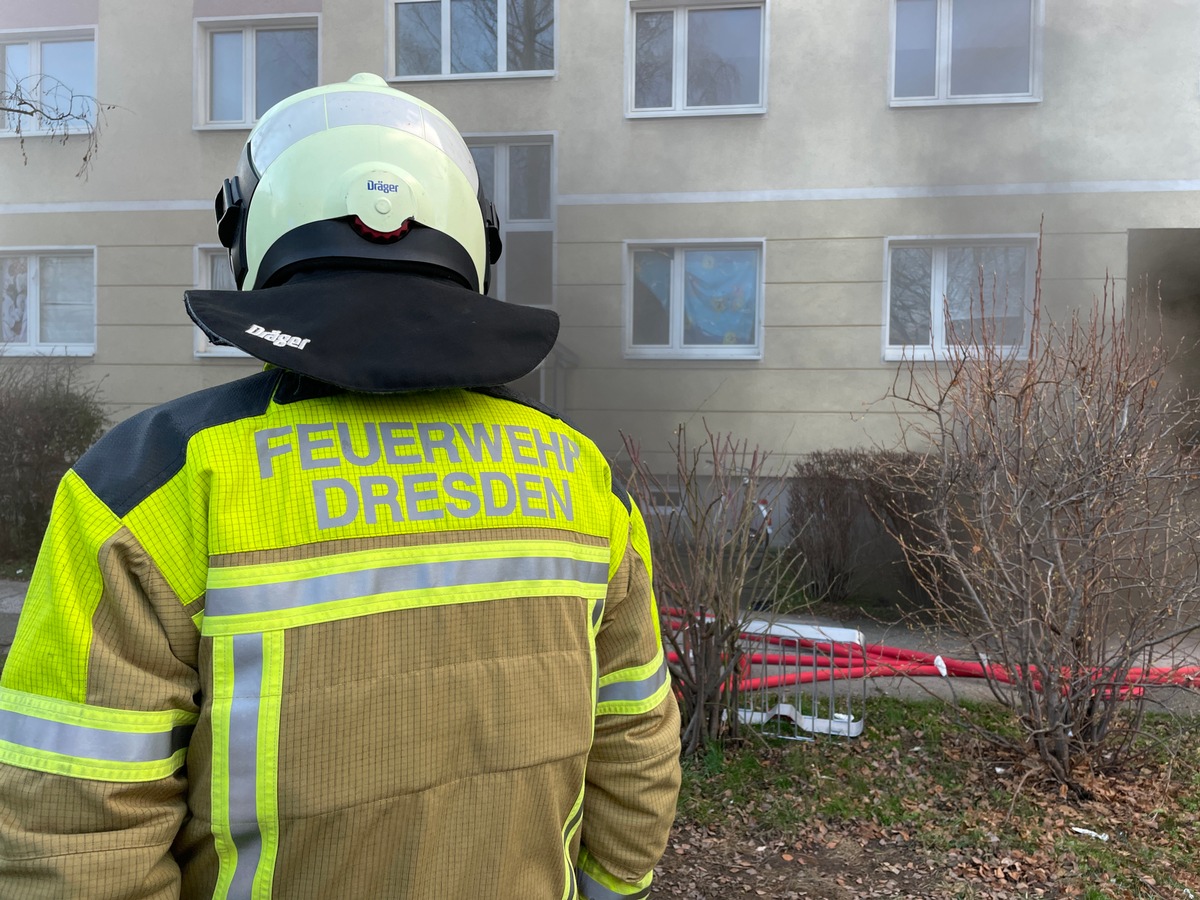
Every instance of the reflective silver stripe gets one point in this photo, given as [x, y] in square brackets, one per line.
[594, 890]
[568, 832]
[597, 613]
[243, 761]
[280, 596]
[634, 691]
[91, 743]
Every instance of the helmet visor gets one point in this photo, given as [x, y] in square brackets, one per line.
[285, 126]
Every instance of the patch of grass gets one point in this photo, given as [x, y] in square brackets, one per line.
[919, 784]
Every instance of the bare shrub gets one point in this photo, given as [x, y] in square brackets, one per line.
[1063, 534]
[51, 416]
[713, 568]
[843, 516]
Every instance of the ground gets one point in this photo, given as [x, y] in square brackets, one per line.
[920, 809]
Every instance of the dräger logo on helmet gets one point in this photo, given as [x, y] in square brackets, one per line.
[382, 186]
[278, 338]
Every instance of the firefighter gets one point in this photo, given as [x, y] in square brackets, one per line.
[364, 624]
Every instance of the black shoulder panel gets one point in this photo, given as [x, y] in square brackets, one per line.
[621, 494]
[504, 392]
[141, 454]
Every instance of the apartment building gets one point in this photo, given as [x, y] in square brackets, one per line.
[746, 212]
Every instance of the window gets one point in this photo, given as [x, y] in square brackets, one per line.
[966, 51]
[213, 273]
[247, 66]
[470, 38]
[56, 72]
[696, 59]
[694, 300]
[933, 296]
[517, 174]
[47, 302]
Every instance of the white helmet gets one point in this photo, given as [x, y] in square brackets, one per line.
[354, 174]
[362, 248]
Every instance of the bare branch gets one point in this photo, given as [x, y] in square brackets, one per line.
[42, 106]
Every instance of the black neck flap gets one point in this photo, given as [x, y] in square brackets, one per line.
[380, 332]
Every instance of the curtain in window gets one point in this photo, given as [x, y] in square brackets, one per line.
[14, 296]
[720, 296]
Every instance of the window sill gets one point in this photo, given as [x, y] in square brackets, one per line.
[223, 126]
[698, 355]
[231, 353]
[901, 103]
[691, 113]
[63, 129]
[48, 350]
[929, 355]
[474, 76]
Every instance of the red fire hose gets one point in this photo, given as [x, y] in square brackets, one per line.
[826, 661]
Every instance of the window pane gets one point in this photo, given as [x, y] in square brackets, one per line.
[916, 48]
[528, 264]
[14, 59]
[485, 165]
[990, 51]
[66, 293]
[220, 274]
[530, 385]
[472, 35]
[14, 62]
[910, 287]
[418, 38]
[652, 297]
[1002, 315]
[225, 77]
[720, 296]
[530, 35]
[70, 67]
[724, 55]
[529, 181]
[14, 298]
[653, 60]
[285, 61]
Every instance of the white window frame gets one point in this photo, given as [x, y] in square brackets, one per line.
[203, 348]
[446, 74]
[35, 39]
[202, 54]
[502, 142]
[677, 349]
[33, 306]
[679, 105]
[942, 96]
[938, 349]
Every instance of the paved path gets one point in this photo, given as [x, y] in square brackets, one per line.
[12, 594]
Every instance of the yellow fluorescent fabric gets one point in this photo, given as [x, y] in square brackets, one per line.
[49, 655]
[266, 798]
[570, 829]
[633, 691]
[397, 617]
[65, 738]
[243, 599]
[597, 884]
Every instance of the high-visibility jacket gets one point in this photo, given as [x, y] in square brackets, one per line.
[286, 641]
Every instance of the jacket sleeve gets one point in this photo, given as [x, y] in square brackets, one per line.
[633, 769]
[97, 700]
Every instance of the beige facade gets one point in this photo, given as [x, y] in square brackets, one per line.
[801, 185]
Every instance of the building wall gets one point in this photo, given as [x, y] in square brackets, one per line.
[825, 176]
